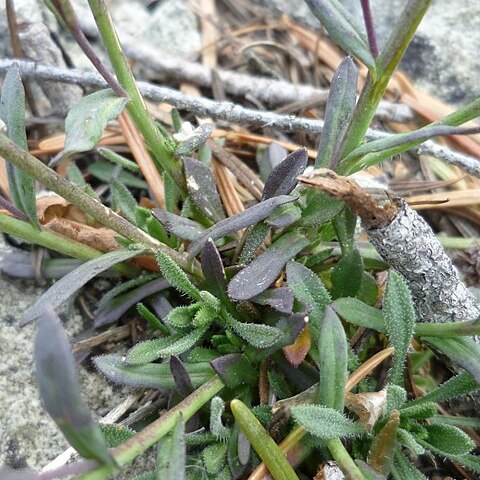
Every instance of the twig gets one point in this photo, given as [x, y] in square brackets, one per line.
[229, 112]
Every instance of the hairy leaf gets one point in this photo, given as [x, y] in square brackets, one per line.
[405, 470]
[399, 321]
[408, 440]
[449, 439]
[217, 407]
[284, 216]
[214, 457]
[283, 178]
[280, 299]
[213, 271]
[203, 190]
[252, 240]
[325, 423]
[419, 411]
[150, 350]
[320, 208]
[257, 335]
[86, 121]
[359, 313]
[340, 106]
[149, 375]
[124, 201]
[176, 276]
[235, 369]
[115, 434]
[12, 112]
[181, 227]
[171, 454]
[347, 275]
[104, 171]
[72, 282]
[113, 309]
[344, 224]
[194, 141]
[343, 28]
[248, 217]
[60, 390]
[263, 271]
[332, 359]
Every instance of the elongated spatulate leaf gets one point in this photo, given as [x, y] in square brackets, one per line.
[280, 299]
[343, 28]
[212, 268]
[171, 454]
[340, 106]
[60, 390]
[181, 227]
[399, 322]
[202, 188]
[149, 375]
[347, 275]
[248, 217]
[70, 283]
[283, 178]
[257, 335]
[86, 121]
[263, 271]
[12, 112]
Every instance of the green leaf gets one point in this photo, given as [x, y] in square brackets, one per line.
[104, 171]
[308, 288]
[332, 360]
[73, 281]
[252, 240]
[404, 470]
[408, 440]
[396, 398]
[217, 407]
[149, 375]
[448, 439]
[325, 423]
[176, 276]
[12, 112]
[214, 457]
[235, 369]
[340, 106]
[461, 384]
[118, 159]
[463, 351]
[343, 28]
[320, 208]
[257, 335]
[419, 411]
[359, 313]
[124, 200]
[87, 120]
[284, 216]
[261, 441]
[399, 321]
[345, 224]
[256, 277]
[203, 190]
[347, 275]
[171, 454]
[181, 318]
[115, 434]
[60, 390]
[150, 350]
[468, 422]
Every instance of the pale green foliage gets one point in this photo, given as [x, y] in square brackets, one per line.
[214, 457]
[217, 407]
[257, 335]
[449, 439]
[124, 200]
[115, 434]
[422, 410]
[409, 441]
[180, 318]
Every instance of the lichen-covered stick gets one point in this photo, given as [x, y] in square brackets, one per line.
[407, 243]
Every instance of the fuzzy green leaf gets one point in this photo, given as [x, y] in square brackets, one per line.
[124, 200]
[404, 470]
[60, 390]
[469, 422]
[171, 454]
[252, 240]
[117, 159]
[419, 411]
[325, 423]
[399, 321]
[449, 439]
[73, 281]
[87, 120]
[104, 172]
[343, 28]
[176, 276]
[340, 106]
[320, 208]
[408, 440]
[214, 457]
[217, 407]
[150, 375]
[463, 351]
[359, 313]
[347, 275]
[150, 350]
[257, 335]
[235, 369]
[396, 398]
[332, 359]
[256, 277]
[181, 318]
[115, 434]
[345, 224]
[12, 112]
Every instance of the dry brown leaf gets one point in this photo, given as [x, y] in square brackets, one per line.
[369, 406]
[329, 471]
[296, 353]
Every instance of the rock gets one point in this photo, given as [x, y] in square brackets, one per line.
[442, 58]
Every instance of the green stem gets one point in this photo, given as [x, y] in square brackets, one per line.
[449, 329]
[50, 179]
[136, 107]
[344, 460]
[151, 434]
[262, 442]
[373, 90]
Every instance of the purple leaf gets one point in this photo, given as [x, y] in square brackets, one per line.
[181, 377]
[202, 188]
[114, 308]
[241, 220]
[182, 227]
[60, 390]
[283, 178]
[235, 369]
[264, 270]
[280, 299]
[212, 268]
[70, 283]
